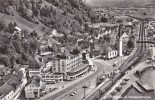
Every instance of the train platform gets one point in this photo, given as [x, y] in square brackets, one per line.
[132, 78]
[137, 87]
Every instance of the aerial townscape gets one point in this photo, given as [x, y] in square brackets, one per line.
[77, 49]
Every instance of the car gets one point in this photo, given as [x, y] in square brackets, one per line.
[73, 93]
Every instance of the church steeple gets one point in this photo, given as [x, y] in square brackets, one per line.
[120, 39]
[120, 33]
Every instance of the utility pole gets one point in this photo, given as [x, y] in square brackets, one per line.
[84, 87]
[100, 93]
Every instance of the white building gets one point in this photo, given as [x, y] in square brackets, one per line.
[52, 77]
[110, 52]
[152, 51]
[34, 87]
[70, 62]
[18, 29]
[53, 63]
[64, 62]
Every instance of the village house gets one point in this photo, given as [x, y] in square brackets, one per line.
[109, 51]
[34, 87]
[47, 46]
[34, 68]
[152, 51]
[13, 85]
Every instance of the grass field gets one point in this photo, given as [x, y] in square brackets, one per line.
[25, 24]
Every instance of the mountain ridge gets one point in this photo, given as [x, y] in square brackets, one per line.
[122, 3]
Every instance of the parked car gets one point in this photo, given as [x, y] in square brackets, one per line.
[73, 93]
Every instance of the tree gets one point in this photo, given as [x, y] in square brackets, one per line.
[33, 34]
[75, 27]
[104, 20]
[107, 38]
[10, 28]
[2, 25]
[120, 21]
[130, 44]
[15, 24]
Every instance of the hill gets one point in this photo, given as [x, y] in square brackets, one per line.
[63, 15]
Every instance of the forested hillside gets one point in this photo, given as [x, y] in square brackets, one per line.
[60, 14]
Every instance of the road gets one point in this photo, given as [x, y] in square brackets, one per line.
[90, 78]
[80, 91]
[106, 66]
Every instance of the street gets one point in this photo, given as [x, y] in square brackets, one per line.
[102, 66]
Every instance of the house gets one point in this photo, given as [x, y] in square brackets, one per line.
[34, 68]
[53, 64]
[56, 33]
[18, 32]
[18, 29]
[109, 51]
[125, 38]
[2, 71]
[47, 46]
[12, 87]
[34, 87]
[152, 51]
[6, 92]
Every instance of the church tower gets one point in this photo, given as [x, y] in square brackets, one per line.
[120, 40]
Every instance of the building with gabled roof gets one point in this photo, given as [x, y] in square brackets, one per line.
[34, 68]
[11, 88]
[109, 51]
[34, 87]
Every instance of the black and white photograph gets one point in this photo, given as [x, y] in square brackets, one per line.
[77, 49]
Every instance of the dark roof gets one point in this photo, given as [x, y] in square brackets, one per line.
[65, 55]
[15, 80]
[109, 48]
[34, 80]
[1, 83]
[34, 64]
[17, 70]
[6, 88]
[11, 84]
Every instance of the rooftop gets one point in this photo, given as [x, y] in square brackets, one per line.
[11, 84]
[34, 80]
[6, 88]
[34, 64]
